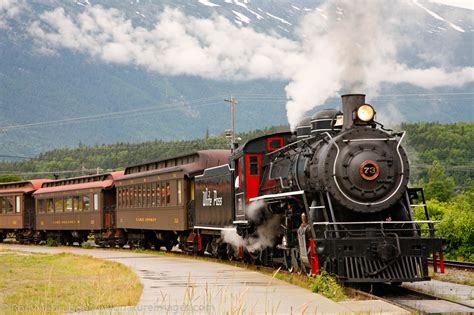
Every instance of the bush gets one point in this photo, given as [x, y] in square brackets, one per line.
[51, 242]
[87, 245]
[326, 284]
[457, 226]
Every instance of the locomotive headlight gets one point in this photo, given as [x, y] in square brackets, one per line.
[365, 113]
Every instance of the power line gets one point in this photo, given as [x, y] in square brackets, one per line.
[248, 97]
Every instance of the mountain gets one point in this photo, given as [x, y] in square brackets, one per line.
[54, 94]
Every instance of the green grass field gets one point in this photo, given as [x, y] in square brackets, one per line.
[60, 283]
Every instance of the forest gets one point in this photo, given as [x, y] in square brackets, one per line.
[441, 159]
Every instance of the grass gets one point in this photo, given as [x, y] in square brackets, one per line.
[455, 276]
[59, 283]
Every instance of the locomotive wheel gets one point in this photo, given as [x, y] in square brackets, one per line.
[287, 260]
[254, 257]
[295, 260]
[230, 253]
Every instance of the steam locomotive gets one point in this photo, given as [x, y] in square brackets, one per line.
[332, 195]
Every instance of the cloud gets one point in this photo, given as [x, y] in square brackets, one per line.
[9, 9]
[343, 46]
[176, 45]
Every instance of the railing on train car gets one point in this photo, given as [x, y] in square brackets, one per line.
[421, 228]
[109, 214]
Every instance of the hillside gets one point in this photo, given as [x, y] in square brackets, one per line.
[60, 92]
[426, 142]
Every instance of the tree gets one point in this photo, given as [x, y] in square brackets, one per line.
[9, 178]
[439, 185]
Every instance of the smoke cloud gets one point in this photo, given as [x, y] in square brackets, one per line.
[341, 47]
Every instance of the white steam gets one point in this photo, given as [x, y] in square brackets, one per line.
[255, 209]
[264, 237]
[344, 46]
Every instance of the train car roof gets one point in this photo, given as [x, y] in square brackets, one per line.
[205, 159]
[104, 181]
[242, 148]
[24, 186]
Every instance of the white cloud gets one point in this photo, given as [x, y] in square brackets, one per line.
[9, 9]
[355, 47]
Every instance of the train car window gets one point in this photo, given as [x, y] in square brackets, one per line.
[8, 204]
[96, 202]
[158, 194]
[40, 206]
[180, 193]
[163, 194]
[139, 195]
[58, 204]
[18, 204]
[153, 194]
[77, 203]
[86, 202]
[127, 197]
[149, 197]
[254, 170]
[68, 204]
[168, 193]
[50, 205]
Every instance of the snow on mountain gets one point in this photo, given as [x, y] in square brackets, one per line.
[208, 3]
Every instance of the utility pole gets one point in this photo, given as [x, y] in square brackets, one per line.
[232, 102]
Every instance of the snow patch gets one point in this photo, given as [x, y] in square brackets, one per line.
[242, 17]
[436, 16]
[283, 29]
[296, 8]
[208, 3]
[463, 4]
[278, 18]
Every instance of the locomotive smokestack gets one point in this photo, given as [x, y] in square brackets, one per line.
[350, 103]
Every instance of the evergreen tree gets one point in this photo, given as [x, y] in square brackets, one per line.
[439, 185]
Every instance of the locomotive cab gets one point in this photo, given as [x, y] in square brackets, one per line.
[251, 163]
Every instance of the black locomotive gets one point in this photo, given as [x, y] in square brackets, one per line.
[333, 195]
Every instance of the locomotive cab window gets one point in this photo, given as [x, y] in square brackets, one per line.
[274, 144]
[253, 167]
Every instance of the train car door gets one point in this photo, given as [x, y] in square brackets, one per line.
[253, 166]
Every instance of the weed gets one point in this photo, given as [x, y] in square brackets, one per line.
[87, 245]
[327, 285]
[51, 242]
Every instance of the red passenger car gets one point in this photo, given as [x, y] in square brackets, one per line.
[68, 210]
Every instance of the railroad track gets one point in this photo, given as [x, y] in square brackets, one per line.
[465, 265]
[411, 300]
